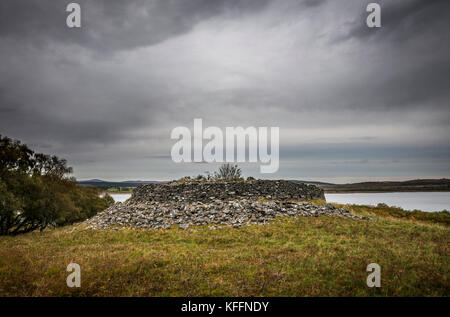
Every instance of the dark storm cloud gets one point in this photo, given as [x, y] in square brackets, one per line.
[404, 19]
[114, 24]
[106, 96]
[414, 48]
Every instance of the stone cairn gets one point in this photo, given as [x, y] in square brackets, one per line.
[233, 203]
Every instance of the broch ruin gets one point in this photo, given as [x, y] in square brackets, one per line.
[233, 203]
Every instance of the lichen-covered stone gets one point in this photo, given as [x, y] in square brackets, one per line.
[234, 204]
[210, 191]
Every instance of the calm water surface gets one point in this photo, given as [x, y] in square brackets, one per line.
[120, 198]
[425, 201]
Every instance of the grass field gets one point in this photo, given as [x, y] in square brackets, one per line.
[323, 256]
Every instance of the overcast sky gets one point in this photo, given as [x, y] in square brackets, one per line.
[352, 103]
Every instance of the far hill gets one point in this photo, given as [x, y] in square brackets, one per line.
[405, 186]
[311, 182]
[109, 185]
[95, 180]
[391, 186]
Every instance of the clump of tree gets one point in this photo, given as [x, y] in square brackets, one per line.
[228, 172]
[36, 191]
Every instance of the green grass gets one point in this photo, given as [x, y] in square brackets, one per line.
[442, 217]
[323, 256]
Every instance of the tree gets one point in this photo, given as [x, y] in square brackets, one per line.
[36, 191]
[228, 172]
[9, 208]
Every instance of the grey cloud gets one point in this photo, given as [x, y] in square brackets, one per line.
[404, 19]
[407, 58]
[107, 96]
[313, 3]
[110, 25]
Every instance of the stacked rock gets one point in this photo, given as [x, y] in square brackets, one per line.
[210, 191]
[237, 203]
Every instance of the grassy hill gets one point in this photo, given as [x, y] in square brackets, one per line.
[314, 256]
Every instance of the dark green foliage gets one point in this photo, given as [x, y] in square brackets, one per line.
[35, 191]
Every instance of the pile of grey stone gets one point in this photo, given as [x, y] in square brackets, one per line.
[192, 191]
[185, 204]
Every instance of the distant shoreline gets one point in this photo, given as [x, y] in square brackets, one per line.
[417, 185]
[118, 193]
[385, 191]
